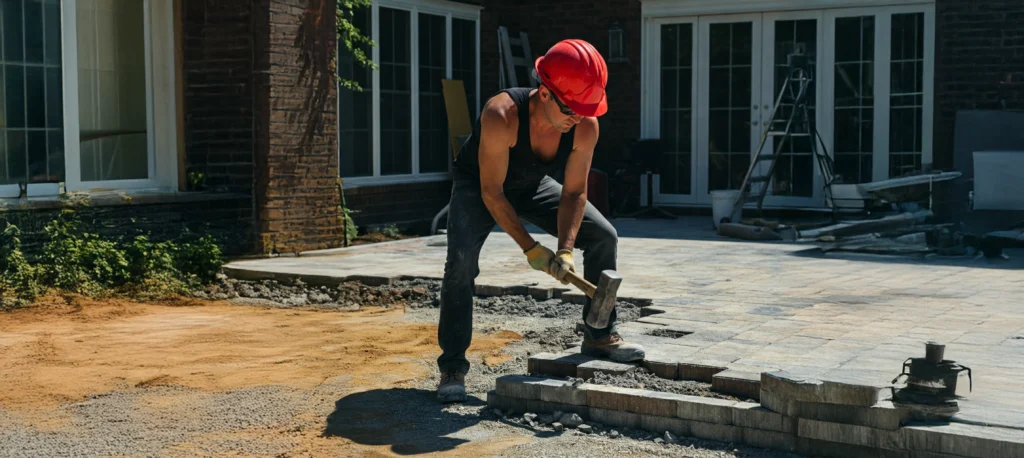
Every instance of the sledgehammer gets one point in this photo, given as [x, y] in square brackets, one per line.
[602, 296]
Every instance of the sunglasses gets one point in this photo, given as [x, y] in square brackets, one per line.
[561, 106]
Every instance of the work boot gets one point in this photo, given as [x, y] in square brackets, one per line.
[452, 387]
[613, 348]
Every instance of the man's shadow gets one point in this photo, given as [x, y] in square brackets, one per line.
[411, 421]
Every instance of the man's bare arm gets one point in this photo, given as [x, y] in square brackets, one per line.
[495, 139]
[574, 191]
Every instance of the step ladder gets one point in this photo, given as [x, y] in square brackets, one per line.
[783, 129]
[515, 60]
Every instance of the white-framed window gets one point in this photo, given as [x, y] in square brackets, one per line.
[712, 71]
[87, 96]
[395, 129]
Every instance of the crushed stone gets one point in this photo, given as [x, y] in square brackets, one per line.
[640, 378]
[414, 293]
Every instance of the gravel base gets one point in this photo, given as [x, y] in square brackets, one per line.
[418, 293]
[114, 423]
[645, 380]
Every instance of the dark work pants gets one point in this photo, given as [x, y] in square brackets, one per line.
[469, 224]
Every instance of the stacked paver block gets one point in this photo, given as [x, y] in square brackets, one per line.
[796, 414]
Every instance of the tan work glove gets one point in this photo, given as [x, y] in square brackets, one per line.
[540, 257]
[561, 265]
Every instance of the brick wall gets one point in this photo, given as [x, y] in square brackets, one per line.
[296, 165]
[979, 55]
[227, 218]
[398, 203]
[546, 23]
[218, 63]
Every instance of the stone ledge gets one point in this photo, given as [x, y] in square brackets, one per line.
[804, 389]
[883, 415]
[755, 425]
[737, 383]
[965, 440]
[556, 365]
[851, 434]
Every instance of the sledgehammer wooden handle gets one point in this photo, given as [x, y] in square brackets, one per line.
[588, 288]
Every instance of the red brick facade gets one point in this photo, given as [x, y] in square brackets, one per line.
[296, 153]
[979, 63]
[218, 73]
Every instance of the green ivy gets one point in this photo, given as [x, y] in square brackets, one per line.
[353, 38]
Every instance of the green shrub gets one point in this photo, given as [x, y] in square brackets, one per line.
[199, 259]
[18, 283]
[75, 261]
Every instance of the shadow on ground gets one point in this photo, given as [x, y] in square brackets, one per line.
[411, 421]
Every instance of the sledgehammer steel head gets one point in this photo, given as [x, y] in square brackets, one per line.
[603, 301]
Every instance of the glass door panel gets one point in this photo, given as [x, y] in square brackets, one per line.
[853, 83]
[677, 109]
[730, 90]
[795, 181]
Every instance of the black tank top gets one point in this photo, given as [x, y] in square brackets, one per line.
[525, 170]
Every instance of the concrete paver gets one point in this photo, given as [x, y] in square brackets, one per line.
[775, 305]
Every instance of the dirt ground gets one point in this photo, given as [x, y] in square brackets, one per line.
[215, 377]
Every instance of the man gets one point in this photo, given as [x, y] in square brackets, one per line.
[503, 173]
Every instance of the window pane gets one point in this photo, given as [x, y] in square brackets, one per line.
[31, 104]
[464, 55]
[854, 98]
[729, 104]
[906, 92]
[433, 135]
[794, 169]
[355, 107]
[112, 90]
[676, 107]
[395, 92]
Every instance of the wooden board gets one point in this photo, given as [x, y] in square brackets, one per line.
[459, 123]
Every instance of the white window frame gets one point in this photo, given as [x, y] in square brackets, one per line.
[654, 13]
[161, 107]
[449, 10]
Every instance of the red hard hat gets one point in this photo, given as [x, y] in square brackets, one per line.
[576, 73]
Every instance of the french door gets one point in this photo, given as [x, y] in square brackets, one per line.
[711, 83]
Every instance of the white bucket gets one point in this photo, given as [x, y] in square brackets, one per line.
[722, 206]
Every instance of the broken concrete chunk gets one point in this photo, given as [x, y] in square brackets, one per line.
[530, 416]
[586, 429]
[571, 420]
[613, 434]
[558, 427]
